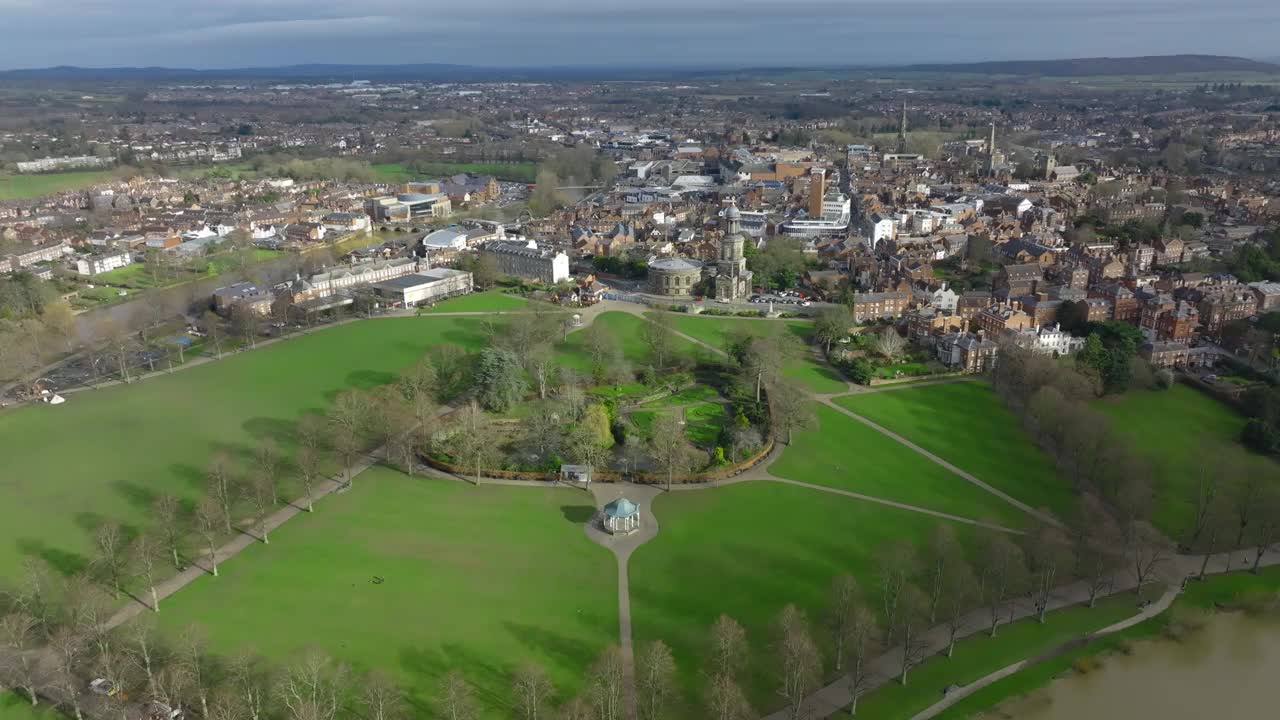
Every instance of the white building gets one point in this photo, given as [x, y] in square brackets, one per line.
[1047, 340]
[944, 298]
[98, 264]
[425, 287]
[524, 259]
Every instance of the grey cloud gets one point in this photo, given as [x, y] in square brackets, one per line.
[228, 33]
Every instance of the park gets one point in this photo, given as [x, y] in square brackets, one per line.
[462, 567]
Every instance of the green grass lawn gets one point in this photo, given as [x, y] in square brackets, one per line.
[747, 550]
[476, 579]
[808, 371]
[627, 329]
[1178, 431]
[16, 707]
[22, 187]
[691, 394]
[843, 453]
[487, 301]
[967, 425]
[979, 655]
[122, 445]
[703, 424]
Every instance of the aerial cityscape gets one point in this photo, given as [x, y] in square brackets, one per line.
[639, 363]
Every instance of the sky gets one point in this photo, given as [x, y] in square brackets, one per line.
[646, 33]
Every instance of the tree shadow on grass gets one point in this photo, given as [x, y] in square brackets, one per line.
[428, 667]
[558, 649]
[369, 379]
[192, 475]
[64, 562]
[138, 496]
[279, 430]
[577, 514]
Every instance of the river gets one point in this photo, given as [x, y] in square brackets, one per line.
[1227, 670]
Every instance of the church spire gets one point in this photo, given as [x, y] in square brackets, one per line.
[902, 130]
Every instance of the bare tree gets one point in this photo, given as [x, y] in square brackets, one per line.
[1247, 492]
[269, 460]
[764, 357]
[110, 542]
[193, 657]
[144, 552]
[655, 680]
[455, 701]
[862, 640]
[32, 595]
[913, 619]
[67, 647]
[1096, 536]
[843, 597]
[799, 662]
[895, 569]
[314, 687]
[421, 380]
[672, 454]
[222, 486]
[726, 701]
[889, 344]
[167, 511]
[381, 698]
[472, 441]
[17, 666]
[142, 649]
[943, 551]
[348, 420]
[248, 679]
[1147, 549]
[532, 688]
[728, 647]
[1001, 569]
[541, 363]
[213, 329]
[1267, 528]
[259, 491]
[657, 336]
[1208, 488]
[308, 464]
[605, 684]
[1049, 557]
[1219, 527]
[209, 518]
[959, 588]
[789, 410]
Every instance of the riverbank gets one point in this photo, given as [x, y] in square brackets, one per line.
[1235, 591]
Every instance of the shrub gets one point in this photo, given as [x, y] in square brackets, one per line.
[1085, 665]
[1164, 379]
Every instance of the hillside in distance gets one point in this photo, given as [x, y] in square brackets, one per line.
[1085, 67]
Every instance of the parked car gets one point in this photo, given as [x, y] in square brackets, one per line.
[103, 686]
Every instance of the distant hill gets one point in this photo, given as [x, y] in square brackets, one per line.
[1082, 67]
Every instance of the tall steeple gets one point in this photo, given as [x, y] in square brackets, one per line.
[902, 130]
[991, 151]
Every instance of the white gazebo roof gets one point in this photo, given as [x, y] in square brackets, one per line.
[621, 508]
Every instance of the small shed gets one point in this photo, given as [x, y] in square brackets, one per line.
[621, 517]
[576, 474]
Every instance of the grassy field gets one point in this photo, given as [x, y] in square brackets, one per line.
[967, 425]
[139, 276]
[15, 707]
[477, 579]
[703, 424]
[1179, 430]
[487, 301]
[747, 550]
[627, 329]
[513, 172]
[979, 655]
[809, 371]
[128, 443]
[843, 453]
[22, 187]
